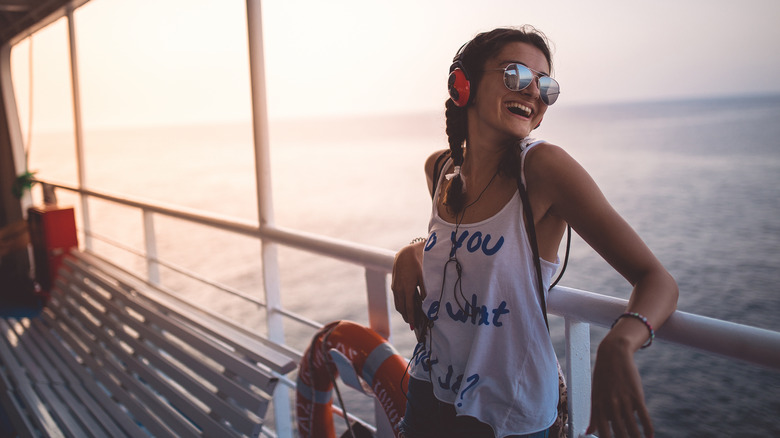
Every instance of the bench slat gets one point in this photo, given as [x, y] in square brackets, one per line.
[30, 367]
[118, 364]
[213, 402]
[9, 398]
[72, 407]
[83, 384]
[193, 334]
[84, 403]
[277, 357]
[107, 374]
[215, 377]
[59, 410]
[52, 389]
[40, 416]
[21, 424]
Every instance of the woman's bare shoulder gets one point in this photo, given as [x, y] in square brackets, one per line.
[546, 160]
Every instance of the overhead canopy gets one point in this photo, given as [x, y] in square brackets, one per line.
[19, 17]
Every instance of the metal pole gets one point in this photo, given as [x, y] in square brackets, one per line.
[263, 165]
[379, 320]
[77, 126]
[282, 414]
[378, 302]
[150, 242]
[12, 121]
[578, 375]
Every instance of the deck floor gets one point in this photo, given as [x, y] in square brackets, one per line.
[17, 301]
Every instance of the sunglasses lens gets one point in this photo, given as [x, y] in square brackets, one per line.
[517, 77]
[549, 89]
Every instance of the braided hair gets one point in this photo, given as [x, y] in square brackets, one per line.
[472, 58]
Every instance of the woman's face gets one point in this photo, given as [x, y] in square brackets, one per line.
[498, 113]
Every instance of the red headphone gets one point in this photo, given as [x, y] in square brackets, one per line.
[458, 84]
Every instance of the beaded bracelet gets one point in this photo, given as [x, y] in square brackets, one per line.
[417, 240]
[644, 320]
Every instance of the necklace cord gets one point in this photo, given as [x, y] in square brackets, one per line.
[458, 267]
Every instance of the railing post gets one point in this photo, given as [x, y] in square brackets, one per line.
[379, 321]
[270, 258]
[12, 119]
[378, 302]
[150, 242]
[578, 375]
[77, 126]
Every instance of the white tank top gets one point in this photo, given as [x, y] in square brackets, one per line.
[491, 353]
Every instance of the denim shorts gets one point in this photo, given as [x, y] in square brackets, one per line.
[427, 417]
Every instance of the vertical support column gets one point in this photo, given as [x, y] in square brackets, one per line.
[379, 321]
[578, 375]
[150, 242]
[12, 163]
[262, 160]
[77, 126]
[270, 257]
[14, 129]
[378, 302]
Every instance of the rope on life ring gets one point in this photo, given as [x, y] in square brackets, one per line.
[373, 359]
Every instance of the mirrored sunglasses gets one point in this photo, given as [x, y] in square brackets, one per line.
[518, 77]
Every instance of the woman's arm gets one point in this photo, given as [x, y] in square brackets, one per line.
[561, 189]
[407, 266]
[407, 278]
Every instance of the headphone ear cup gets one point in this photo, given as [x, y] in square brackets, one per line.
[459, 87]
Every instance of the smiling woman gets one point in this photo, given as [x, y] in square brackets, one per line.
[523, 193]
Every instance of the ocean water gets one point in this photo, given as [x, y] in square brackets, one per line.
[697, 179]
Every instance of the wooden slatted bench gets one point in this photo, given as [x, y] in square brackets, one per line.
[112, 356]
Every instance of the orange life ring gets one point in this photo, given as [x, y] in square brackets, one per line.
[373, 359]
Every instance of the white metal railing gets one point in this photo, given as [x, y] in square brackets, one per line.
[580, 309]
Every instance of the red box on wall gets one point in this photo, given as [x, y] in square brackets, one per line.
[52, 234]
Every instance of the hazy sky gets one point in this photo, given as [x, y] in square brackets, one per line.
[149, 61]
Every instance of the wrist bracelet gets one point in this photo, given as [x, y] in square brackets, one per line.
[417, 240]
[644, 320]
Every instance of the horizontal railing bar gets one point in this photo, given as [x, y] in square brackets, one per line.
[216, 285]
[363, 255]
[736, 341]
[181, 270]
[378, 259]
[214, 220]
[114, 243]
[299, 318]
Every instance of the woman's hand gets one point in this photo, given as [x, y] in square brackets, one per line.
[407, 278]
[617, 399]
